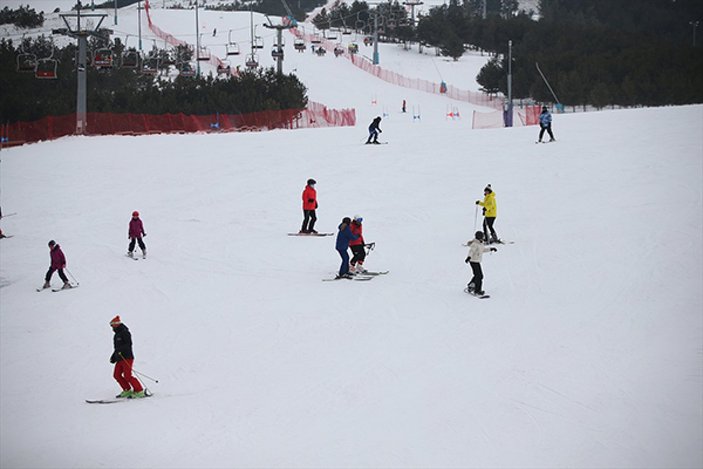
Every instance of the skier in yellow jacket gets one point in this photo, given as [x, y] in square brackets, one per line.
[490, 211]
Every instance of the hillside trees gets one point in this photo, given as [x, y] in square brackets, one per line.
[122, 90]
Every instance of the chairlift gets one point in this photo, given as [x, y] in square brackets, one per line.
[299, 45]
[331, 34]
[203, 54]
[258, 42]
[320, 51]
[338, 49]
[316, 38]
[26, 63]
[277, 52]
[232, 47]
[224, 68]
[185, 69]
[46, 68]
[251, 61]
[103, 58]
[150, 65]
[130, 58]
[346, 31]
[353, 48]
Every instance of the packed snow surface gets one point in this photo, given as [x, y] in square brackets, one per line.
[588, 353]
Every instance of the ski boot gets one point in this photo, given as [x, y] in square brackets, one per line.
[144, 254]
[126, 393]
[137, 395]
[130, 254]
[360, 269]
[66, 286]
[46, 285]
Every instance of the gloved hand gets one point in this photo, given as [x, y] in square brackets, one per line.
[494, 250]
[112, 358]
[144, 235]
[478, 202]
[468, 259]
[316, 205]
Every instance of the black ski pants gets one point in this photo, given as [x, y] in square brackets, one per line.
[136, 240]
[359, 254]
[477, 279]
[488, 226]
[309, 219]
[51, 271]
[549, 131]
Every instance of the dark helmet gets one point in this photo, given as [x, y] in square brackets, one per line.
[544, 108]
[52, 243]
[311, 182]
[479, 235]
[346, 220]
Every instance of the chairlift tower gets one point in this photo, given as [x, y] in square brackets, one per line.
[412, 4]
[78, 27]
[279, 45]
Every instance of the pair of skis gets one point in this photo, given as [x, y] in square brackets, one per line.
[360, 277]
[55, 290]
[147, 393]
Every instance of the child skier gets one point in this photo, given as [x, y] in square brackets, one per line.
[309, 207]
[545, 123]
[135, 233]
[58, 262]
[357, 246]
[344, 236]
[123, 358]
[374, 130]
[476, 250]
[490, 211]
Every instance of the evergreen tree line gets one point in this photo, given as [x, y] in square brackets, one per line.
[122, 90]
[23, 17]
[298, 8]
[638, 53]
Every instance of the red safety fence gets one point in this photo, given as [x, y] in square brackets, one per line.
[473, 97]
[52, 127]
[529, 115]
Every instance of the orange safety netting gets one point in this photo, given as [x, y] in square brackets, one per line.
[52, 127]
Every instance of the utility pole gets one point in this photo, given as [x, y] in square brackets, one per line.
[695, 26]
[81, 33]
[509, 111]
[375, 38]
[197, 41]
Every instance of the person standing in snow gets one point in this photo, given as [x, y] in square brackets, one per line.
[135, 233]
[490, 211]
[357, 246]
[344, 236]
[545, 123]
[476, 250]
[374, 130]
[309, 207]
[123, 358]
[58, 263]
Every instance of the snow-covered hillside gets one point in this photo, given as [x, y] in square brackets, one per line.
[587, 354]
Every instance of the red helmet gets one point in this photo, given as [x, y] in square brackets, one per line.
[135, 214]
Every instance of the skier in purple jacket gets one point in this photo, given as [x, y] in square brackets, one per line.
[58, 262]
[136, 231]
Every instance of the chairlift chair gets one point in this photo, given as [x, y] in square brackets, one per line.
[299, 45]
[203, 54]
[103, 58]
[46, 69]
[232, 47]
[26, 63]
[223, 68]
[251, 61]
[130, 59]
[150, 66]
[258, 42]
[316, 38]
[277, 52]
[185, 69]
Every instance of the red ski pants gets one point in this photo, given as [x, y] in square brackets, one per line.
[123, 375]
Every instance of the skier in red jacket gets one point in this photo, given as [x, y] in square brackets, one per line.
[357, 246]
[309, 207]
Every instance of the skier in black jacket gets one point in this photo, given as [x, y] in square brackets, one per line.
[123, 357]
[374, 130]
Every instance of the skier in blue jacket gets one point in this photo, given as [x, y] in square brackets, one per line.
[344, 236]
[545, 123]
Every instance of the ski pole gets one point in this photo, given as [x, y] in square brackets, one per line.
[137, 372]
[69, 273]
[475, 217]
